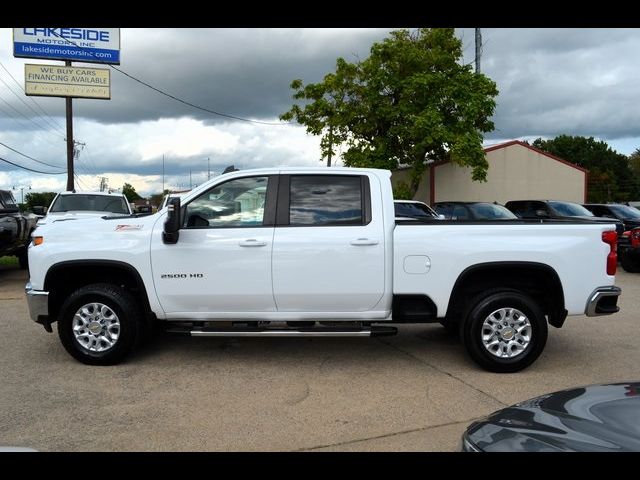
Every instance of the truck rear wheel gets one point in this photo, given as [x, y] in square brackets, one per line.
[505, 331]
[99, 324]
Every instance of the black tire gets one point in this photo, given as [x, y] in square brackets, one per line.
[121, 303]
[23, 259]
[630, 262]
[481, 308]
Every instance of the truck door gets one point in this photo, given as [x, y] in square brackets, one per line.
[328, 250]
[222, 261]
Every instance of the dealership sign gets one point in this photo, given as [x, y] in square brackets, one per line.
[59, 81]
[93, 45]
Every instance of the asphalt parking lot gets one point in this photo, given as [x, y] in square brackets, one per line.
[413, 392]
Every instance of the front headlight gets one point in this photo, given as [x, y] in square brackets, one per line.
[467, 445]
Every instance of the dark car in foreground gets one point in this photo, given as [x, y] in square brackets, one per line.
[596, 418]
[472, 211]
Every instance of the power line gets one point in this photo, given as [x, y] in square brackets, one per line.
[32, 99]
[46, 127]
[30, 158]
[22, 122]
[46, 118]
[170, 95]
[30, 169]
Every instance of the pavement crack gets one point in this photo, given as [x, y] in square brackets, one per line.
[386, 435]
[409, 354]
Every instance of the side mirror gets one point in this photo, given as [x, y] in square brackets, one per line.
[171, 231]
[441, 217]
[542, 213]
[39, 210]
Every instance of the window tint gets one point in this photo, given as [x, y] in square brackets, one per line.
[413, 210]
[624, 211]
[7, 199]
[236, 203]
[569, 209]
[460, 213]
[490, 211]
[443, 209]
[90, 203]
[325, 200]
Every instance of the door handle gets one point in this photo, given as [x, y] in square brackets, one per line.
[363, 241]
[252, 242]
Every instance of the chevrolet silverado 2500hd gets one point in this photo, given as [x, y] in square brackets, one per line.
[315, 252]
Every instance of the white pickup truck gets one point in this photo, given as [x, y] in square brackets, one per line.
[315, 252]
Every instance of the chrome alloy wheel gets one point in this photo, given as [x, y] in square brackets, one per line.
[506, 333]
[96, 327]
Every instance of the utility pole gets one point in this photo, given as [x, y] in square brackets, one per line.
[22, 191]
[190, 186]
[162, 174]
[103, 183]
[478, 49]
[69, 114]
[208, 169]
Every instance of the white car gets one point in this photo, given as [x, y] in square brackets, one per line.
[78, 205]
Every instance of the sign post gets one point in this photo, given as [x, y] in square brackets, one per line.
[92, 45]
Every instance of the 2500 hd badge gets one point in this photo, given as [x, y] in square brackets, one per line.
[182, 275]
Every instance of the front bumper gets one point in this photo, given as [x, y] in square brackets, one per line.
[38, 302]
[603, 301]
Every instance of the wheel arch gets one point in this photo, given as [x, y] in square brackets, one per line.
[64, 277]
[538, 280]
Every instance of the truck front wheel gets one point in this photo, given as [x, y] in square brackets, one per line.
[99, 324]
[505, 331]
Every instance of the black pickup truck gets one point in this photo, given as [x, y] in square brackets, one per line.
[15, 228]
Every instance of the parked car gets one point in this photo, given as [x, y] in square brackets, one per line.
[78, 205]
[629, 216]
[473, 211]
[629, 250]
[15, 229]
[304, 252]
[413, 209]
[596, 418]
[556, 209]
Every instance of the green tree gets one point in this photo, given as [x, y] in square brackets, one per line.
[130, 192]
[38, 199]
[634, 163]
[410, 102]
[611, 177]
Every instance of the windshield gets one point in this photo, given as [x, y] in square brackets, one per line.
[414, 210]
[90, 203]
[625, 212]
[490, 211]
[568, 209]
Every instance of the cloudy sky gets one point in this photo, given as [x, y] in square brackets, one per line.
[551, 81]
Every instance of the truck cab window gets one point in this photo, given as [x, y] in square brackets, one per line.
[236, 203]
[317, 200]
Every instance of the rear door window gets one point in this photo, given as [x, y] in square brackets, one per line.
[326, 200]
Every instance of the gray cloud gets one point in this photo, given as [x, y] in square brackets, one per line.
[551, 81]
